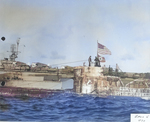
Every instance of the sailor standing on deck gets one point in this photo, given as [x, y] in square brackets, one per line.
[90, 60]
[97, 62]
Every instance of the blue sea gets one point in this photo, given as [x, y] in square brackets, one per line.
[69, 106]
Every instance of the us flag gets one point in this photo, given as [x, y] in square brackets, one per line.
[103, 50]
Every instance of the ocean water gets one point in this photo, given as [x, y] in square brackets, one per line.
[69, 106]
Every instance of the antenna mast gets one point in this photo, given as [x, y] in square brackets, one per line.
[14, 52]
[18, 44]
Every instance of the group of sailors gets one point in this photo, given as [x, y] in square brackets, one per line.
[97, 61]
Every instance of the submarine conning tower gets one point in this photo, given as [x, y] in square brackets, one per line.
[87, 79]
[91, 79]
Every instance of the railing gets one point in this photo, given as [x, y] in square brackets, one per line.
[125, 91]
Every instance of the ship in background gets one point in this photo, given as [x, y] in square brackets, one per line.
[35, 80]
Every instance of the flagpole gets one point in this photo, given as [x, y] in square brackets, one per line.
[97, 54]
[97, 48]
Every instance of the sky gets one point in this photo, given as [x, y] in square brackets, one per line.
[65, 32]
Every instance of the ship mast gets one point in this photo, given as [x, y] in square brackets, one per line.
[14, 51]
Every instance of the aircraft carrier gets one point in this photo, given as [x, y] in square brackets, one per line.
[18, 78]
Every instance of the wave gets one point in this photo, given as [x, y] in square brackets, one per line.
[69, 106]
